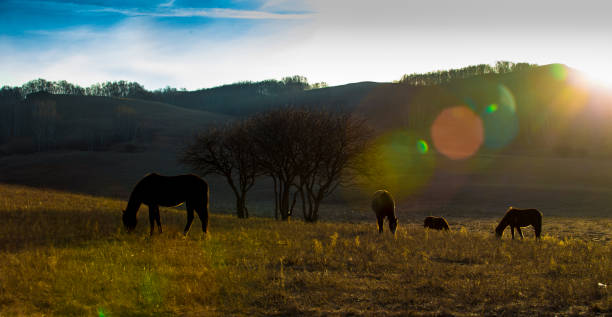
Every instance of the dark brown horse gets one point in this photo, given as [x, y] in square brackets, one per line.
[384, 206]
[517, 218]
[155, 190]
[438, 223]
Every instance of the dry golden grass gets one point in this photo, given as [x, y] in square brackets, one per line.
[64, 254]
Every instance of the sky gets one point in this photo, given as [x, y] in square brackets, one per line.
[202, 44]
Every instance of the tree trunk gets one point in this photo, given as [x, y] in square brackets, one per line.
[285, 211]
[303, 204]
[314, 215]
[241, 211]
[275, 198]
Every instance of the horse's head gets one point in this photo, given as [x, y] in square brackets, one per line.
[129, 221]
[499, 231]
[393, 225]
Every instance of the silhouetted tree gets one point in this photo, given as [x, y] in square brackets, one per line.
[274, 136]
[330, 145]
[306, 152]
[441, 77]
[226, 151]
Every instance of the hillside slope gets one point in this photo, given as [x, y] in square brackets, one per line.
[543, 142]
[87, 155]
[552, 108]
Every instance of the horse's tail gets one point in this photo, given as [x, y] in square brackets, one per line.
[205, 206]
[206, 197]
[538, 225]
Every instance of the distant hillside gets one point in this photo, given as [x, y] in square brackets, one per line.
[248, 97]
[45, 122]
[103, 145]
[245, 100]
[547, 108]
[97, 145]
[241, 98]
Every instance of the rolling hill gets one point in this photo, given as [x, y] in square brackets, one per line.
[87, 156]
[540, 137]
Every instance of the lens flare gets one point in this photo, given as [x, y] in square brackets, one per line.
[397, 165]
[506, 98]
[558, 72]
[491, 108]
[457, 132]
[500, 121]
[422, 146]
[470, 103]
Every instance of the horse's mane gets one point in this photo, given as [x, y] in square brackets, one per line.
[503, 223]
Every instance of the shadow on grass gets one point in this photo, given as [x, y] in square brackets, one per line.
[21, 230]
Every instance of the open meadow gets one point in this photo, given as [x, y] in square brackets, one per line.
[294, 130]
[68, 255]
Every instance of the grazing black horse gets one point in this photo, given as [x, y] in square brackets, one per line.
[384, 206]
[155, 190]
[438, 223]
[517, 218]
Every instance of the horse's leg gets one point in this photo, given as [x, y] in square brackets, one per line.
[380, 223]
[152, 216]
[538, 230]
[518, 229]
[189, 218]
[158, 219]
[512, 231]
[203, 214]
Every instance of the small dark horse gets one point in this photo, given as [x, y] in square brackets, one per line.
[384, 206]
[437, 223]
[517, 218]
[155, 190]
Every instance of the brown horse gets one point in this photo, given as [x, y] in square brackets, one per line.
[155, 190]
[517, 218]
[384, 206]
[438, 223]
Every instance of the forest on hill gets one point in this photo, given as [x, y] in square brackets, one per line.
[247, 97]
[519, 106]
[436, 132]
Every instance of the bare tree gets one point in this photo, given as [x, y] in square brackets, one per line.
[307, 153]
[226, 151]
[274, 138]
[332, 146]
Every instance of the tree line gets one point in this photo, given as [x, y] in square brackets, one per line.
[307, 154]
[127, 89]
[247, 97]
[239, 98]
[445, 76]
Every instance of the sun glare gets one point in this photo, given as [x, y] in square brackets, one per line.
[601, 78]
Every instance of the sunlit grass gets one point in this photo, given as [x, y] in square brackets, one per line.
[65, 254]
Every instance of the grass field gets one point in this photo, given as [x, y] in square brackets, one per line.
[65, 254]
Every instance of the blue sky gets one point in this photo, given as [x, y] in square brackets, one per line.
[199, 44]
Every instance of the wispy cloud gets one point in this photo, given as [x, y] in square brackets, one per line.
[208, 13]
[166, 4]
[337, 41]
